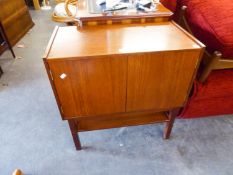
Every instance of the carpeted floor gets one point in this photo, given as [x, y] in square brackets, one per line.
[34, 138]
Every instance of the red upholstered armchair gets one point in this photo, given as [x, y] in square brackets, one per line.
[211, 21]
[170, 4]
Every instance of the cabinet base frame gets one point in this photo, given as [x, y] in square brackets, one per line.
[105, 122]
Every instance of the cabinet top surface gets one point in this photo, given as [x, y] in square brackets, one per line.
[68, 42]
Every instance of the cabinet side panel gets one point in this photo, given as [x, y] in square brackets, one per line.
[160, 80]
[90, 87]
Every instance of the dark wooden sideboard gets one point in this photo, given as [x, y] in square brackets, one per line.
[2, 47]
[15, 18]
[121, 75]
[4, 41]
[2, 44]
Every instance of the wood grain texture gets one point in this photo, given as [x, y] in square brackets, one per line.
[3, 45]
[169, 124]
[74, 129]
[119, 39]
[159, 80]
[139, 20]
[126, 71]
[53, 86]
[4, 41]
[15, 19]
[121, 75]
[120, 120]
[92, 87]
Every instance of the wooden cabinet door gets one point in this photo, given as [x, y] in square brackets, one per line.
[159, 81]
[15, 18]
[89, 87]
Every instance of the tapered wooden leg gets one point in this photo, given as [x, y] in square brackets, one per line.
[75, 135]
[12, 52]
[168, 128]
[1, 71]
[2, 31]
[210, 66]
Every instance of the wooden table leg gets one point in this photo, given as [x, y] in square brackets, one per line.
[1, 71]
[168, 128]
[3, 34]
[75, 135]
[36, 4]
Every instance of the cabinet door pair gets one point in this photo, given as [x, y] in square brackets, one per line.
[118, 84]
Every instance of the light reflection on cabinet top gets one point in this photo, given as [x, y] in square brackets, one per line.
[68, 42]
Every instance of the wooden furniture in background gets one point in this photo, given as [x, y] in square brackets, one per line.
[15, 19]
[121, 75]
[4, 41]
[84, 16]
[4, 44]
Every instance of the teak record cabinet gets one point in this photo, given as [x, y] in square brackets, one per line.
[121, 75]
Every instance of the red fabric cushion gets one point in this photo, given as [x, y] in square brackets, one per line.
[170, 4]
[208, 107]
[215, 97]
[212, 22]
